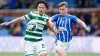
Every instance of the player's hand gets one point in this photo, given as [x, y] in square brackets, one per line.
[5, 24]
[89, 29]
[56, 32]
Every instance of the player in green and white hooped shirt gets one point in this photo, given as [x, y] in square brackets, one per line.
[35, 26]
[36, 22]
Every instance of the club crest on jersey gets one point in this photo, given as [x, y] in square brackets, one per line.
[62, 28]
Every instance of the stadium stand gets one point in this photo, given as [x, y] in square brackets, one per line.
[11, 9]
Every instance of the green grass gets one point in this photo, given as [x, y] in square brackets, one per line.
[69, 54]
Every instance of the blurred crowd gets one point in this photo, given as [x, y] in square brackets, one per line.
[17, 29]
[90, 18]
[26, 4]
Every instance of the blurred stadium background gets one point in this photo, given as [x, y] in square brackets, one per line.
[83, 43]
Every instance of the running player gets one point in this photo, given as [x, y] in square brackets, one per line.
[64, 24]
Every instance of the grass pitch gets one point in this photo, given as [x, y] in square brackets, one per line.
[52, 54]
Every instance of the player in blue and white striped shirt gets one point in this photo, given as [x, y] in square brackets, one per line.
[64, 25]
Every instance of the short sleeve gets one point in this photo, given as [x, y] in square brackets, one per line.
[75, 19]
[46, 19]
[55, 17]
[28, 15]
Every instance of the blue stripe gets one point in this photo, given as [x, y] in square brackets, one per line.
[61, 37]
[62, 31]
[70, 29]
[67, 28]
[65, 32]
[60, 21]
[63, 25]
[57, 25]
[69, 25]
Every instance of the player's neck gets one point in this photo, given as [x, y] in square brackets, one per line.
[64, 15]
[40, 14]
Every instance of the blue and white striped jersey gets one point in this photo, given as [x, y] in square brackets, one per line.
[65, 24]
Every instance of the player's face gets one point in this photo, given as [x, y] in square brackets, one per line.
[63, 10]
[41, 9]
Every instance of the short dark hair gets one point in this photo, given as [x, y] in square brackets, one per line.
[42, 2]
[63, 4]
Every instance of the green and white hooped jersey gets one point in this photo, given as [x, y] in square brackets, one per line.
[35, 26]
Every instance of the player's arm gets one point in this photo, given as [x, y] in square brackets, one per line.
[51, 25]
[19, 19]
[84, 25]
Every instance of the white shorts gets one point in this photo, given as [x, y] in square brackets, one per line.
[31, 47]
[59, 44]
